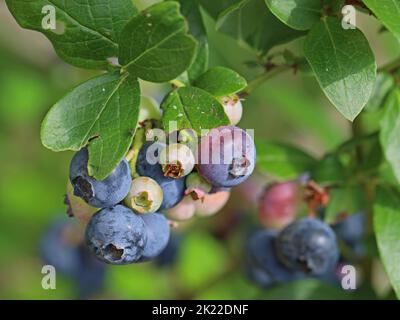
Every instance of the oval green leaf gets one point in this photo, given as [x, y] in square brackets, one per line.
[221, 81]
[390, 132]
[282, 161]
[192, 108]
[297, 14]
[102, 112]
[343, 63]
[254, 26]
[386, 227]
[86, 35]
[388, 12]
[155, 45]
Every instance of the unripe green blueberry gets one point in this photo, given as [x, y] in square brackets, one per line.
[177, 160]
[211, 203]
[183, 211]
[196, 186]
[233, 108]
[148, 110]
[145, 195]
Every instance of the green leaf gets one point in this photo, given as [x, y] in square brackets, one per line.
[191, 11]
[221, 81]
[343, 63]
[388, 12]
[86, 35]
[390, 132]
[282, 161]
[383, 85]
[328, 170]
[254, 26]
[348, 199]
[297, 14]
[102, 112]
[386, 227]
[214, 8]
[192, 108]
[155, 46]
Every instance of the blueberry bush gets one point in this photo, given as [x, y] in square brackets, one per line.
[149, 167]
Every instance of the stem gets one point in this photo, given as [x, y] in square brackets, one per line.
[138, 140]
[367, 187]
[177, 83]
[357, 131]
[259, 80]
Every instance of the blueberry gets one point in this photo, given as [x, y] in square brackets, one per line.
[226, 156]
[147, 165]
[91, 277]
[58, 247]
[169, 255]
[116, 235]
[351, 230]
[260, 250]
[279, 204]
[183, 211]
[158, 232]
[211, 203]
[233, 108]
[99, 193]
[308, 245]
[145, 195]
[196, 186]
[177, 160]
[258, 275]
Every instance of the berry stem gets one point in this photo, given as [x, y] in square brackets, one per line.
[138, 140]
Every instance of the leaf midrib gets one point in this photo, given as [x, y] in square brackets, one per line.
[103, 108]
[182, 28]
[107, 38]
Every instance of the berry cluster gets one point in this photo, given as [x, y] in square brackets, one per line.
[173, 181]
[306, 247]
[288, 248]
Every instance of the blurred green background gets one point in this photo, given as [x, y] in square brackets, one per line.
[289, 108]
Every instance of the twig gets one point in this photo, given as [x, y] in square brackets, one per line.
[259, 80]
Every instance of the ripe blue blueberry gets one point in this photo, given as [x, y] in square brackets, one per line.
[116, 235]
[91, 277]
[99, 193]
[226, 156]
[158, 232]
[258, 275]
[260, 249]
[351, 230]
[170, 254]
[308, 245]
[59, 248]
[147, 165]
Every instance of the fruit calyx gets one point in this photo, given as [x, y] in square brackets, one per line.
[173, 170]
